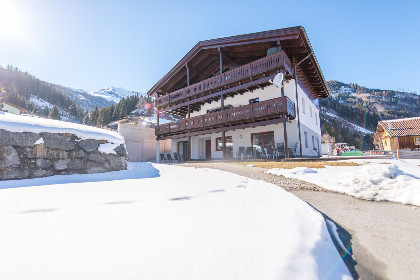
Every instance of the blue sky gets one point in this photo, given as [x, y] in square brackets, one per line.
[91, 44]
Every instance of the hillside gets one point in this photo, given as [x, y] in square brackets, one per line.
[39, 97]
[36, 96]
[352, 112]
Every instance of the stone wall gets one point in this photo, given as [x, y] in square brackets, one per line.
[34, 155]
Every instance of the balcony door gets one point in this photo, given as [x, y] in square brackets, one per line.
[183, 149]
[260, 141]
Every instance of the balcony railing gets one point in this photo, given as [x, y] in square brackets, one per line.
[262, 65]
[254, 112]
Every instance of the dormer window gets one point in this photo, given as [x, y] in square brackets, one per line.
[255, 100]
[219, 109]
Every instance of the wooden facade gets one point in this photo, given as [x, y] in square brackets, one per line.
[399, 134]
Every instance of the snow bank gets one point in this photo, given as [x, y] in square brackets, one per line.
[215, 225]
[16, 123]
[390, 180]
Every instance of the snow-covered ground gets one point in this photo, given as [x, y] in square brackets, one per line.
[18, 123]
[149, 222]
[375, 179]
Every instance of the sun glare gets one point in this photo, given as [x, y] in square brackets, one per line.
[10, 20]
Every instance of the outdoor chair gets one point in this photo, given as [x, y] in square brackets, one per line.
[177, 158]
[272, 153]
[292, 151]
[169, 157]
[162, 157]
[280, 150]
[240, 153]
[248, 152]
[264, 153]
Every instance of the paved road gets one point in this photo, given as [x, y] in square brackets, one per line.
[384, 236]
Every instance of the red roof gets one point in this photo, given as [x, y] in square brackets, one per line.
[402, 127]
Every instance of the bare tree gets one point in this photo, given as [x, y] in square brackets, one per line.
[326, 138]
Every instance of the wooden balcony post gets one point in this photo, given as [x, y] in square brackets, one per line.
[285, 118]
[222, 101]
[188, 75]
[220, 60]
[189, 137]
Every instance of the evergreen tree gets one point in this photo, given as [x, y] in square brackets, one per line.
[54, 114]
[104, 117]
[93, 118]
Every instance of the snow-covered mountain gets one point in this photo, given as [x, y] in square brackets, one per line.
[97, 98]
[113, 94]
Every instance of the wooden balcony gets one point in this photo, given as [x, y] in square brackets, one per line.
[228, 79]
[238, 116]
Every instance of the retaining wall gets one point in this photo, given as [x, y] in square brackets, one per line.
[34, 155]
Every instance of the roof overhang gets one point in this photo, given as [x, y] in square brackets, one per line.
[244, 49]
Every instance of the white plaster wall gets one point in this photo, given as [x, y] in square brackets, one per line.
[267, 93]
[310, 124]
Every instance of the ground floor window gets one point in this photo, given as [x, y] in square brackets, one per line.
[417, 140]
[306, 139]
[219, 143]
[260, 141]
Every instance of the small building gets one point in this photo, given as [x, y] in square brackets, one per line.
[399, 134]
[140, 142]
[13, 109]
[253, 95]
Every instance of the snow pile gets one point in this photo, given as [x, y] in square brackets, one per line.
[291, 173]
[151, 223]
[17, 123]
[390, 180]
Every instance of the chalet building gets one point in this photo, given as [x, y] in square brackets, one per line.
[399, 134]
[247, 96]
[10, 108]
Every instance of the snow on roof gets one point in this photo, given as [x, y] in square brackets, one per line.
[402, 127]
[27, 123]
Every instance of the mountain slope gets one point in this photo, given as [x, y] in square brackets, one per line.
[352, 112]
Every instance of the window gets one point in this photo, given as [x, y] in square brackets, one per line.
[303, 106]
[255, 100]
[310, 109]
[306, 139]
[262, 140]
[417, 140]
[313, 142]
[316, 118]
[219, 143]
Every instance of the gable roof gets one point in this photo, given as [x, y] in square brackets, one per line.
[401, 127]
[246, 48]
[17, 107]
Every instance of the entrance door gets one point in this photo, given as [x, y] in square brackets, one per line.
[208, 149]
